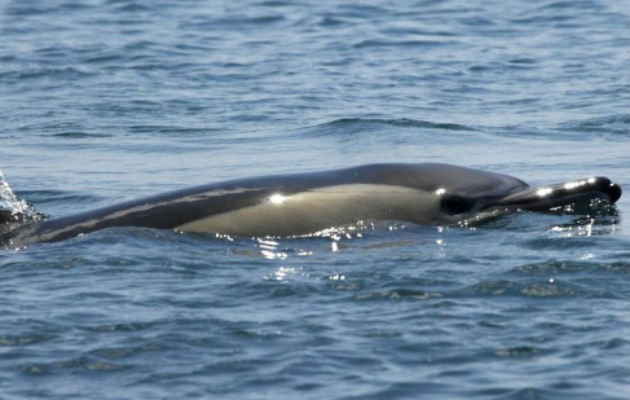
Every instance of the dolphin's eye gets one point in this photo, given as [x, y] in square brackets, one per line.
[454, 204]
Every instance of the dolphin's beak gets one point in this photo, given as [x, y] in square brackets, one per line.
[561, 194]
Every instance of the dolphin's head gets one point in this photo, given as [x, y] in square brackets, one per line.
[467, 194]
[581, 196]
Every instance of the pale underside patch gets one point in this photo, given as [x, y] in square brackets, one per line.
[317, 209]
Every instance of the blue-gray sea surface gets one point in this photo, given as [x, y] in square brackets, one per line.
[109, 100]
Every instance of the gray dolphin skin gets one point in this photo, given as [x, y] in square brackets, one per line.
[304, 203]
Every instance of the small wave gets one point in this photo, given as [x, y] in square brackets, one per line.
[519, 63]
[25, 10]
[511, 288]
[370, 43]
[572, 5]
[557, 267]
[559, 243]
[80, 135]
[361, 11]
[170, 129]
[329, 21]
[54, 73]
[273, 3]
[520, 351]
[131, 8]
[25, 339]
[75, 364]
[413, 30]
[615, 124]
[352, 125]
[232, 20]
[117, 353]
[121, 327]
[542, 18]
[398, 294]
[104, 58]
[559, 4]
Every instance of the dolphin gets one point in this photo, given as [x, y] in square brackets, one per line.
[305, 203]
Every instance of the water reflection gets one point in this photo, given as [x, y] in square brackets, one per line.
[269, 249]
[587, 226]
[277, 198]
[282, 273]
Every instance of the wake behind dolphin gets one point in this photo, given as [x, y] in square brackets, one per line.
[298, 204]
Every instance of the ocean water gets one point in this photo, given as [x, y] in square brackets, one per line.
[109, 100]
